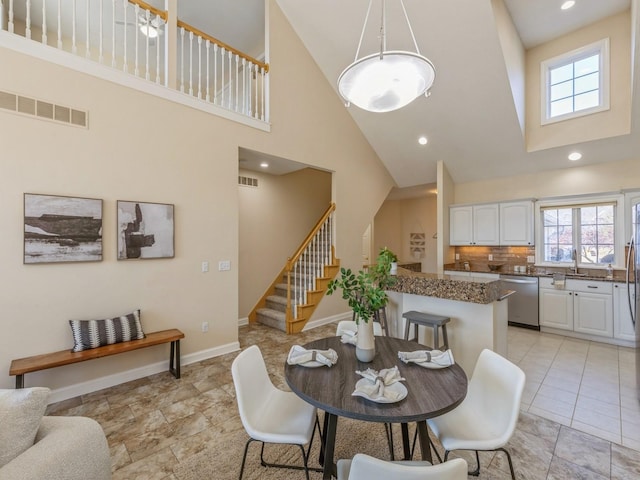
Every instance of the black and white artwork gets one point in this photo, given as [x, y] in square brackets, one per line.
[145, 230]
[62, 229]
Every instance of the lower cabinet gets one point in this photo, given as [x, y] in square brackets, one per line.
[622, 324]
[582, 306]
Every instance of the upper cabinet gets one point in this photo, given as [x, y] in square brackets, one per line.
[509, 223]
[516, 223]
[474, 225]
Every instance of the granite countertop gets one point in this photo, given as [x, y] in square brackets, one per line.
[618, 277]
[462, 289]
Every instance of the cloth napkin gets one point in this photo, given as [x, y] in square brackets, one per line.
[374, 388]
[299, 356]
[350, 337]
[436, 357]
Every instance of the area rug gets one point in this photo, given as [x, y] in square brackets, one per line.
[222, 461]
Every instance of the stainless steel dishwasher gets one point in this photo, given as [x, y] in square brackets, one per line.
[523, 305]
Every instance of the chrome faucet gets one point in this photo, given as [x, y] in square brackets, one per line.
[574, 257]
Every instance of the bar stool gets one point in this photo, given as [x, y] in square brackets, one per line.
[427, 320]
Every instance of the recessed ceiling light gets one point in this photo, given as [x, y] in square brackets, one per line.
[568, 4]
[264, 164]
[423, 140]
[573, 156]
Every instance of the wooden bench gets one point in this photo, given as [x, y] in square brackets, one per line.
[66, 357]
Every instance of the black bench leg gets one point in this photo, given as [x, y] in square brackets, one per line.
[19, 381]
[174, 359]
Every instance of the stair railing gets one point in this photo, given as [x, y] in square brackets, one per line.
[308, 262]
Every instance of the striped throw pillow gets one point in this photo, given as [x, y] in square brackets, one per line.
[89, 334]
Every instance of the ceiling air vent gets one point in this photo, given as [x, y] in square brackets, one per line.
[41, 109]
[247, 181]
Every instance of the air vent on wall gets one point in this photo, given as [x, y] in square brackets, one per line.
[41, 109]
[247, 181]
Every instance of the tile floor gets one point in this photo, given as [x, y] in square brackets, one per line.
[588, 386]
[576, 418]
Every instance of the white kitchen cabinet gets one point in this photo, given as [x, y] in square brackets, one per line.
[474, 225]
[622, 324]
[516, 223]
[582, 306]
[556, 308]
[457, 273]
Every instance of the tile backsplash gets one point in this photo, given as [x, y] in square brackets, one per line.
[478, 257]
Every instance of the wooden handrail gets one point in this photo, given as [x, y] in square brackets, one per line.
[292, 260]
[200, 33]
[161, 13]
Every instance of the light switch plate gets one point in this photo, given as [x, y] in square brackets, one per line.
[531, 258]
[224, 265]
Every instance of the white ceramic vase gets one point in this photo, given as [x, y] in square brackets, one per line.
[365, 341]
[393, 270]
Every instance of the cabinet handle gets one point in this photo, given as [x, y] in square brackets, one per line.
[592, 286]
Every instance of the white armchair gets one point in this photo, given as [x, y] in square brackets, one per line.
[364, 467]
[487, 417]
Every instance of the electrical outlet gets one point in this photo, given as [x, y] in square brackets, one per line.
[490, 257]
[224, 265]
[457, 256]
[531, 258]
[205, 267]
[205, 327]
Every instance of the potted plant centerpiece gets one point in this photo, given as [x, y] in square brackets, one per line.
[365, 294]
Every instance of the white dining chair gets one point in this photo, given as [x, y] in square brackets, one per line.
[364, 467]
[270, 415]
[487, 417]
[351, 326]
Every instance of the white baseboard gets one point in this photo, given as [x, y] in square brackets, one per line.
[243, 321]
[83, 388]
[326, 320]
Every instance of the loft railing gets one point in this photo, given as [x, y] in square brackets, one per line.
[135, 37]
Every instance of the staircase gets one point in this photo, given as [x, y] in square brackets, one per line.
[297, 290]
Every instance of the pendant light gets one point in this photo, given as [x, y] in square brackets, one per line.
[387, 80]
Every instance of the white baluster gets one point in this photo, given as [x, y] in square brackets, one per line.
[255, 83]
[158, 55]
[222, 80]
[199, 67]
[113, 33]
[28, 25]
[215, 72]
[88, 42]
[125, 66]
[230, 84]
[146, 41]
[207, 45]
[74, 47]
[10, 21]
[182, 59]
[190, 63]
[237, 57]
[101, 34]
[59, 27]
[136, 10]
[44, 21]
[244, 86]
[262, 72]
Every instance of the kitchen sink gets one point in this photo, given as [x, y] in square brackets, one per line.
[576, 274]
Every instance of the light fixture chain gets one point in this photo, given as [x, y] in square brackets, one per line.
[410, 29]
[366, 19]
[383, 28]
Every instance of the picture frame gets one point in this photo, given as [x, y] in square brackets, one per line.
[145, 230]
[62, 229]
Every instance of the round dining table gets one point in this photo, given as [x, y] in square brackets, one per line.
[430, 392]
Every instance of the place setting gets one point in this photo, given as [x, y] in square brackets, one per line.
[312, 358]
[433, 359]
[382, 386]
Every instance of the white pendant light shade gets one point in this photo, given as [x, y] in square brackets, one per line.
[385, 83]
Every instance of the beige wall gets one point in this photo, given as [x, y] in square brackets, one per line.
[274, 219]
[140, 147]
[397, 219]
[600, 178]
[609, 123]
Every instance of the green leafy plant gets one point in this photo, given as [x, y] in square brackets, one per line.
[365, 290]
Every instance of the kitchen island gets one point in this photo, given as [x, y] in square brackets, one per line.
[477, 307]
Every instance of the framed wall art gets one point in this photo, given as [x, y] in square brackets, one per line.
[62, 229]
[145, 230]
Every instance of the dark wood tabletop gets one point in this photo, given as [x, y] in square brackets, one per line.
[430, 392]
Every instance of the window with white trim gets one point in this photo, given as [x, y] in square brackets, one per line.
[575, 83]
[588, 229]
